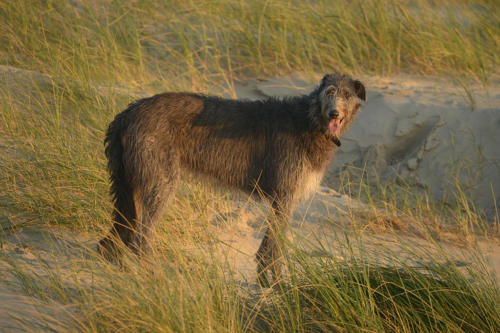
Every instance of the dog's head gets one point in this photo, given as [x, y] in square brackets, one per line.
[337, 103]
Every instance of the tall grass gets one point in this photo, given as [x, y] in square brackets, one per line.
[90, 58]
[347, 289]
[208, 42]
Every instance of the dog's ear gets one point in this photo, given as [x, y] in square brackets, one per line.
[359, 88]
[328, 79]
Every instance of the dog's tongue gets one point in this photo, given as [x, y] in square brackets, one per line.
[334, 125]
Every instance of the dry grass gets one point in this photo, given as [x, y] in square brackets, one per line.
[95, 56]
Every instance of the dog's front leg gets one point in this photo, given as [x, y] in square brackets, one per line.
[270, 255]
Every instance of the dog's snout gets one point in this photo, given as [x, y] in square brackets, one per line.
[333, 114]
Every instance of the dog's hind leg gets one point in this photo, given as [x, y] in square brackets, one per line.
[156, 185]
[124, 215]
[269, 254]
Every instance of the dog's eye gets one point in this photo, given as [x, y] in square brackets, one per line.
[331, 91]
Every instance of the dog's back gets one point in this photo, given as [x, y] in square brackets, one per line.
[240, 143]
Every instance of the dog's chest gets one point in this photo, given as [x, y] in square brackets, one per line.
[308, 183]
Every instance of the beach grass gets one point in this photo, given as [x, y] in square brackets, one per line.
[184, 287]
[68, 67]
[205, 43]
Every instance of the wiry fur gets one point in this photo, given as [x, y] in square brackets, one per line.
[279, 146]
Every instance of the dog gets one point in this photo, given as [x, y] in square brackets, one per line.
[280, 146]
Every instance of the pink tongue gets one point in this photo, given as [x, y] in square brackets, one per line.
[334, 125]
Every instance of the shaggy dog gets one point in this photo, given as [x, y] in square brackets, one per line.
[282, 147]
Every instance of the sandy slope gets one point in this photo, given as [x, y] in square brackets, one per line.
[38, 252]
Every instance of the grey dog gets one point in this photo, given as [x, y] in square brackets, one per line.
[281, 147]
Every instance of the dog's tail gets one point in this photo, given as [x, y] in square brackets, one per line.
[114, 154]
[124, 213]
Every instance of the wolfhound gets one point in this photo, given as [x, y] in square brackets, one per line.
[281, 146]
